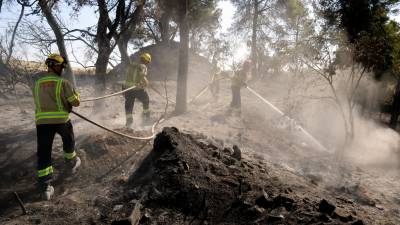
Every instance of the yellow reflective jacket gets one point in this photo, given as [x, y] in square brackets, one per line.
[136, 76]
[54, 98]
[239, 79]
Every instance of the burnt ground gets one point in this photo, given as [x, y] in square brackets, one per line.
[192, 175]
[187, 180]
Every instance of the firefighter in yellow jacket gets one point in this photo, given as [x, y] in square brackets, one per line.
[239, 80]
[54, 98]
[137, 76]
[214, 84]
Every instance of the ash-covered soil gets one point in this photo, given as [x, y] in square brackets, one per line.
[188, 180]
[185, 179]
[194, 176]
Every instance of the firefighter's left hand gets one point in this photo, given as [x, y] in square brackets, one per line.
[69, 108]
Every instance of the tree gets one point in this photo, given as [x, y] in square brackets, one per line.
[12, 70]
[51, 20]
[115, 26]
[159, 18]
[366, 23]
[181, 94]
[188, 15]
[393, 31]
[12, 42]
[254, 18]
[129, 20]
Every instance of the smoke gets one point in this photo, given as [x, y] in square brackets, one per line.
[373, 143]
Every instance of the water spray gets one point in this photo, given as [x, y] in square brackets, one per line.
[300, 128]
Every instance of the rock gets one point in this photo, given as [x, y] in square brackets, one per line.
[326, 207]
[358, 222]
[125, 221]
[164, 141]
[145, 218]
[380, 207]
[216, 154]
[286, 202]
[343, 216]
[254, 212]
[275, 218]
[228, 161]
[212, 146]
[324, 218]
[117, 207]
[227, 151]
[218, 170]
[263, 201]
[122, 179]
[154, 194]
[279, 211]
[185, 166]
[36, 220]
[237, 154]
[135, 215]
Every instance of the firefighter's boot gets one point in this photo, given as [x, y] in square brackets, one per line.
[129, 122]
[73, 165]
[146, 117]
[46, 192]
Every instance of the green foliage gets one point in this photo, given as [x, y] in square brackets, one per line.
[201, 12]
[367, 26]
[393, 31]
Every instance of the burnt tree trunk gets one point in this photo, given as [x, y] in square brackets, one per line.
[123, 50]
[51, 20]
[395, 111]
[181, 92]
[128, 26]
[164, 27]
[254, 39]
[104, 46]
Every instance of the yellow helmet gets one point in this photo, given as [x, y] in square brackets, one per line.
[55, 59]
[146, 58]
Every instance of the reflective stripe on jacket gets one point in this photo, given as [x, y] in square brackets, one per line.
[54, 98]
[135, 76]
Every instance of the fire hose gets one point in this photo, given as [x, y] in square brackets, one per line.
[202, 91]
[305, 132]
[119, 133]
[160, 120]
[110, 95]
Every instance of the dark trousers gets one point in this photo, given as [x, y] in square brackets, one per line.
[214, 88]
[236, 98]
[130, 97]
[45, 137]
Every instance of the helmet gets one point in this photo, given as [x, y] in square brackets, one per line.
[55, 59]
[145, 57]
[247, 63]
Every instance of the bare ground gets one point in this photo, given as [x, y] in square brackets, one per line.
[196, 181]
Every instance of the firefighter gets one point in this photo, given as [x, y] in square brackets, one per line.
[239, 80]
[54, 98]
[214, 84]
[137, 76]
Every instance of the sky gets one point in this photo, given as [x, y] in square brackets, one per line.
[87, 17]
